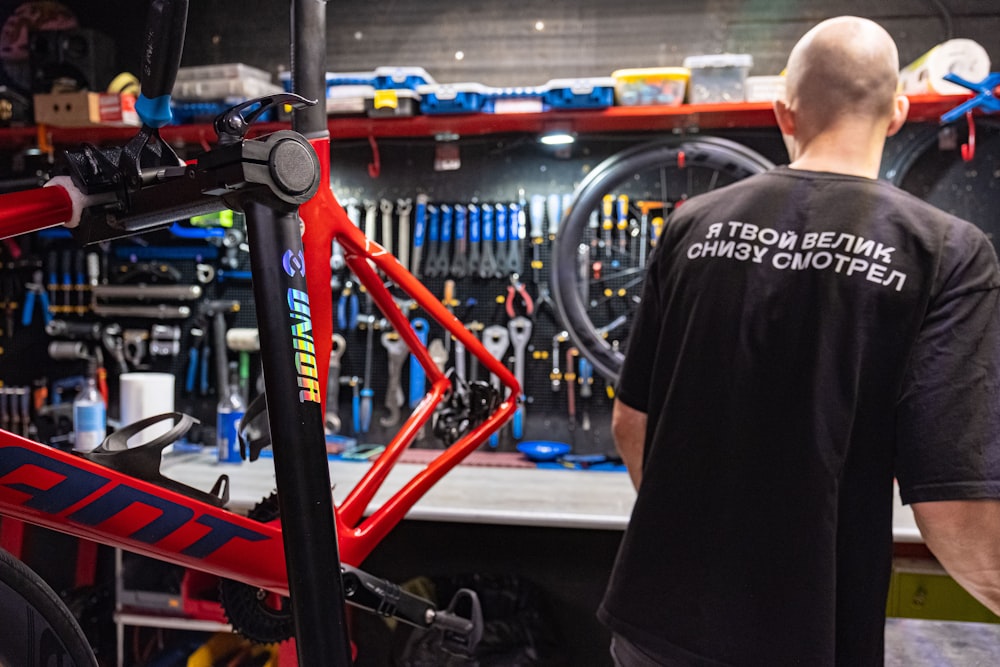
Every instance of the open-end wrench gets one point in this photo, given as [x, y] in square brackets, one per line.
[500, 230]
[443, 262]
[488, 263]
[475, 229]
[403, 208]
[332, 419]
[394, 396]
[519, 331]
[371, 210]
[460, 261]
[496, 340]
[553, 208]
[536, 215]
[433, 240]
[386, 207]
[419, 229]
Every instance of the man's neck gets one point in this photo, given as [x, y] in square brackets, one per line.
[840, 152]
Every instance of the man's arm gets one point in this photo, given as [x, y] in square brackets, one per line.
[628, 426]
[964, 535]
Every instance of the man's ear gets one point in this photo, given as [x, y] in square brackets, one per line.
[785, 117]
[900, 109]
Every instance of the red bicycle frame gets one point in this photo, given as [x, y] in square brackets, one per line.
[70, 494]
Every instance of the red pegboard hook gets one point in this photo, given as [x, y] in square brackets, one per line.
[375, 166]
[969, 148]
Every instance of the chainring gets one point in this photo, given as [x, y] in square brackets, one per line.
[255, 613]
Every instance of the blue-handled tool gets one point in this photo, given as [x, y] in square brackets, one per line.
[347, 308]
[35, 291]
[418, 378]
[419, 229]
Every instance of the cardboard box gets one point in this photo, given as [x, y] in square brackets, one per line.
[84, 108]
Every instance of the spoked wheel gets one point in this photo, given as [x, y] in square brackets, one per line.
[600, 253]
[38, 629]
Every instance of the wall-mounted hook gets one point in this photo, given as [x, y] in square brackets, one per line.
[375, 166]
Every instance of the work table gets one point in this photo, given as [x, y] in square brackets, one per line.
[517, 496]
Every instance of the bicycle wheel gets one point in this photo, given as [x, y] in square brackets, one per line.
[38, 629]
[598, 263]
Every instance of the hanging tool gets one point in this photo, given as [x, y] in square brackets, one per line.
[500, 230]
[517, 291]
[386, 207]
[553, 208]
[419, 230]
[449, 302]
[487, 264]
[444, 249]
[364, 411]
[586, 380]
[332, 415]
[395, 399]
[35, 291]
[216, 311]
[555, 376]
[515, 235]
[403, 208]
[496, 340]
[460, 262]
[9, 306]
[519, 331]
[347, 308]
[197, 367]
[475, 236]
[244, 341]
[569, 375]
[418, 378]
[536, 215]
[433, 240]
[607, 223]
[622, 224]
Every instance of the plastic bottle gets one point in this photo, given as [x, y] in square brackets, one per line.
[90, 423]
[228, 415]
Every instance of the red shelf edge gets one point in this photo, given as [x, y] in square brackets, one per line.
[688, 117]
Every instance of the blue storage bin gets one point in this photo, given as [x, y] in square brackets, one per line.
[586, 93]
[453, 98]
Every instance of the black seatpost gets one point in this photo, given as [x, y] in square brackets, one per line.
[309, 65]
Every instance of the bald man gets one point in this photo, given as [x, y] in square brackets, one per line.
[805, 336]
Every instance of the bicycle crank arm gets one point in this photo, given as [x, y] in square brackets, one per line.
[385, 598]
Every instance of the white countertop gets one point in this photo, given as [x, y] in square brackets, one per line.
[471, 494]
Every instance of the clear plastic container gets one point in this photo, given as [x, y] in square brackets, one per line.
[718, 78]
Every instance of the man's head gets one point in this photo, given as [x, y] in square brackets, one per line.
[843, 73]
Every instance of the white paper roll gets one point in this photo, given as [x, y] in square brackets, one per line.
[964, 57]
[146, 395]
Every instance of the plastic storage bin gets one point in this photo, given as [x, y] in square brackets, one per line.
[651, 85]
[718, 78]
[764, 88]
[453, 98]
[585, 93]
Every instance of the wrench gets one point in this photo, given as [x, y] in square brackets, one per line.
[419, 228]
[418, 378]
[403, 208]
[519, 331]
[333, 422]
[488, 264]
[515, 219]
[459, 263]
[444, 250]
[433, 240]
[386, 207]
[500, 233]
[394, 396]
[474, 239]
[496, 340]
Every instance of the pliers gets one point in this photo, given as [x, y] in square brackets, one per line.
[35, 289]
[518, 289]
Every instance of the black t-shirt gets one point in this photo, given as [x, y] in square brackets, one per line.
[803, 337]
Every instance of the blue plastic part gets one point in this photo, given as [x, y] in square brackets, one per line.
[154, 112]
[356, 408]
[598, 97]
[985, 98]
[166, 252]
[517, 424]
[419, 224]
[184, 232]
[543, 450]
